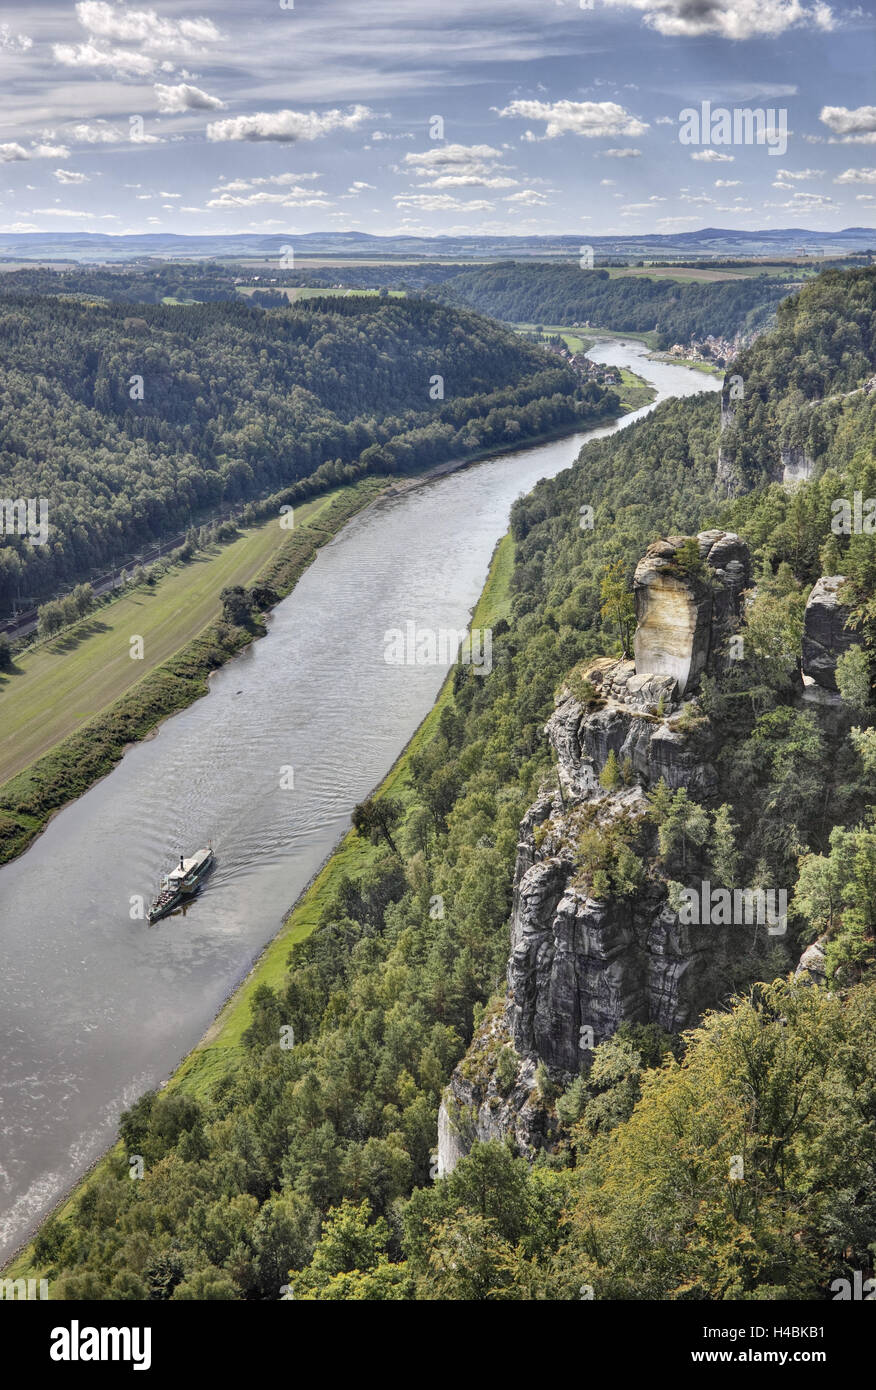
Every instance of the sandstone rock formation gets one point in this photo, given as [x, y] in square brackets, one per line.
[797, 465]
[583, 962]
[581, 965]
[681, 616]
[825, 636]
[493, 1092]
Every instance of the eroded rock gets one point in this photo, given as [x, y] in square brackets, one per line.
[825, 636]
[681, 614]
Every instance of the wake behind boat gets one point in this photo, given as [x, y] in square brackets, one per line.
[182, 883]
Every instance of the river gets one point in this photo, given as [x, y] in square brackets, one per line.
[96, 1007]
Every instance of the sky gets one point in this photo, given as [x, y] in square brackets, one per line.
[435, 117]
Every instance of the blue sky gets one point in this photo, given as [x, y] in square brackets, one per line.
[197, 117]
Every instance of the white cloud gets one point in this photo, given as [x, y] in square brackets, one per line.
[11, 152]
[800, 174]
[806, 202]
[730, 19]
[528, 197]
[292, 197]
[607, 183]
[70, 176]
[91, 55]
[727, 183]
[172, 100]
[710, 156]
[627, 153]
[589, 118]
[439, 202]
[287, 126]
[49, 151]
[97, 132]
[851, 126]
[163, 194]
[857, 176]
[13, 43]
[71, 212]
[458, 166]
[146, 28]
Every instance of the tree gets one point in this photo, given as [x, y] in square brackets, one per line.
[610, 776]
[6, 662]
[350, 1241]
[375, 818]
[722, 850]
[618, 609]
[853, 678]
[685, 825]
[235, 606]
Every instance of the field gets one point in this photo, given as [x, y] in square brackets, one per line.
[682, 273]
[64, 682]
[580, 340]
[292, 293]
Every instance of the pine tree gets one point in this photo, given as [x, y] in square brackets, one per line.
[610, 776]
[723, 853]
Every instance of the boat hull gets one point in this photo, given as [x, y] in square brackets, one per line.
[170, 899]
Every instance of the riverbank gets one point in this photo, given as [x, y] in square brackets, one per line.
[220, 1049]
[60, 682]
[30, 798]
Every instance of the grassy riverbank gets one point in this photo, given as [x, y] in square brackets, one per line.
[61, 683]
[30, 798]
[220, 1050]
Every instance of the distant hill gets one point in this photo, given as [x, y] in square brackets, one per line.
[136, 422]
[711, 241]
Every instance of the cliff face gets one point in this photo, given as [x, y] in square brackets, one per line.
[583, 963]
[825, 636]
[681, 616]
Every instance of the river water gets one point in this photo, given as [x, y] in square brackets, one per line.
[96, 1007]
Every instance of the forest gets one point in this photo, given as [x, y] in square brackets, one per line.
[312, 1169]
[546, 293]
[541, 292]
[137, 425]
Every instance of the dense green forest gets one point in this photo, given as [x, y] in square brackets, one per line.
[314, 1166]
[136, 425]
[546, 292]
[822, 350]
[564, 294]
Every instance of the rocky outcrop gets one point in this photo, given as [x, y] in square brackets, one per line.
[728, 477]
[681, 612]
[587, 954]
[825, 636]
[797, 465]
[493, 1093]
[812, 969]
[581, 964]
[636, 717]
